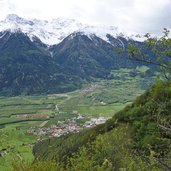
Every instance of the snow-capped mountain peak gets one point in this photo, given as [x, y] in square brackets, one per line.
[54, 31]
[13, 17]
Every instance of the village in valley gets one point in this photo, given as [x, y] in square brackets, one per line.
[66, 127]
[70, 125]
[50, 116]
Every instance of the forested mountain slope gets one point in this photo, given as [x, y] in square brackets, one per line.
[58, 56]
[27, 69]
[31, 67]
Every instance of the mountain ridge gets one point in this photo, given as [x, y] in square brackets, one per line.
[54, 31]
[79, 57]
[26, 68]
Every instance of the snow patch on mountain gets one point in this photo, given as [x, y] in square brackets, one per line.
[54, 31]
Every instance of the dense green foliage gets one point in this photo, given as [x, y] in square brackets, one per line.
[137, 137]
[155, 50]
[150, 117]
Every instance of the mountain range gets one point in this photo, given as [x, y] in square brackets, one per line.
[59, 55]
[55, 31]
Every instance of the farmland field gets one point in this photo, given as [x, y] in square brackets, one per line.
[100, 98]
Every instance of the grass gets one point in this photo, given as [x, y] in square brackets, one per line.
[17, 143]
[98, 111]
[111, 96]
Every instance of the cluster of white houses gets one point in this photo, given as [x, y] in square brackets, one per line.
[55, 130]
[63, 128]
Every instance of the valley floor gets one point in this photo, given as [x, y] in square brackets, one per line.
[24, 120]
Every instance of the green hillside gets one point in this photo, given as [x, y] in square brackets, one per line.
[136, 138]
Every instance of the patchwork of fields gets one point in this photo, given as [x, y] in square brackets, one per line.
[101, 98]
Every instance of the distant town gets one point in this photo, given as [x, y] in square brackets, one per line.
[66, 127]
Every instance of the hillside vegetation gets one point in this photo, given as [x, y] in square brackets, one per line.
[136, 138]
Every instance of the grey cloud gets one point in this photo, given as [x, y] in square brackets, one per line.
[133, 16]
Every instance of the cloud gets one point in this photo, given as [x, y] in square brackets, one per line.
[133, 16]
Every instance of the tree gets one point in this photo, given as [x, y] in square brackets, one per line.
[156, 51]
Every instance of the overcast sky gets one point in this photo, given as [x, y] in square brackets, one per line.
[133, 16]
